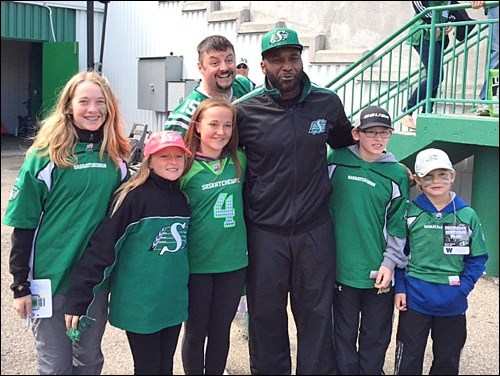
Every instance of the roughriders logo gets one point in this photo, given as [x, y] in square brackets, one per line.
[318, 126]
[171, 238]
[167, 137]
[279, 36]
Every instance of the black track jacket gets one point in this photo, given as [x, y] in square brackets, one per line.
[287, 187]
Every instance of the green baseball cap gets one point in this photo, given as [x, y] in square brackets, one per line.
[280, 37]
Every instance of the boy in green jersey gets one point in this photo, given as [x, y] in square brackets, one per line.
[370, 194]
[447, 256]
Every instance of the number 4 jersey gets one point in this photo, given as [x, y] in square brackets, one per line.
[217, 237]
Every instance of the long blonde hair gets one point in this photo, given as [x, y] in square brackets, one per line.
[136, 180]
[192, 138]
[57, 137]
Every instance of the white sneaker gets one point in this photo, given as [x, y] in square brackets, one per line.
[482, 110]
[408, 122]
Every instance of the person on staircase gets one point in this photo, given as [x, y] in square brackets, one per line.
[420, 40]
[492, 13]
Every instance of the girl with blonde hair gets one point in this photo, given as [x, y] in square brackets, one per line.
[60, 196]
[141, 247]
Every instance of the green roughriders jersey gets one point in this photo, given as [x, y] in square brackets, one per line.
[179, 118]
[217, 235]
[64, 205]
[368, 207]
[142, 248]
[447, 256]
[430, 259]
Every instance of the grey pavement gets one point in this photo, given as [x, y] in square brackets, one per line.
[14, 146]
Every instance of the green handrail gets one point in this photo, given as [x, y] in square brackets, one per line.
[461, 57]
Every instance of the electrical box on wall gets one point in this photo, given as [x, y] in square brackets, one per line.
[153, 75]
[177, 91]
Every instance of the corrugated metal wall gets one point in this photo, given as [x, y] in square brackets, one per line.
[144, 29]
[36, 22]
[25, 27]
[151, 29]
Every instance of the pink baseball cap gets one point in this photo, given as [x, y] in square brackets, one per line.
[164, 139]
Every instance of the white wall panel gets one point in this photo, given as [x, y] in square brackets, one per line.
[81, 37]
[152, 29]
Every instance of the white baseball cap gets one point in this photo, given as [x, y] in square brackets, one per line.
[432, 159]
[242, 60]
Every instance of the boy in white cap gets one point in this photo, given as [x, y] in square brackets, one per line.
[447, 256]
[368, 206]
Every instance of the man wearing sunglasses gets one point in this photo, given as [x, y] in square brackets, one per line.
[242, 69]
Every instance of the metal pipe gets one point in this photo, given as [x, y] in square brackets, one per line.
[90, 35]
[99, 67]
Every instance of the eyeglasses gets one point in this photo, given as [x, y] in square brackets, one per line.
[241, 66]
[373, 134]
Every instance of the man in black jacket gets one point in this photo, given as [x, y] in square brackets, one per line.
[284, 128]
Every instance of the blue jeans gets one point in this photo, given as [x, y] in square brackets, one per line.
[492, 14]
[419, 94]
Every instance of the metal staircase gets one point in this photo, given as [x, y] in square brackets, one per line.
[387, 76]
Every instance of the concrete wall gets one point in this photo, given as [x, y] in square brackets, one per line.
[347, 24]
[152, 28]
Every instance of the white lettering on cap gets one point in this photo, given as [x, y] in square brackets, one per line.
[376, 114]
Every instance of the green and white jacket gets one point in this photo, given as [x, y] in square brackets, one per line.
[63, 206]
[178, 120]
[142, 249]
[368, 207]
